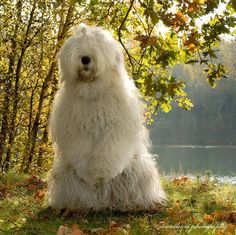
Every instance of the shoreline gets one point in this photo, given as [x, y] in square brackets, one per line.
[193, 146]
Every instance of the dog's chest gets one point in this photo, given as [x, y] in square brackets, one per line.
[92, 118]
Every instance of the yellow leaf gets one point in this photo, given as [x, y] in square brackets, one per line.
[165, 107]
[201, 2]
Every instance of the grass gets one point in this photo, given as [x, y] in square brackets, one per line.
[195, 206]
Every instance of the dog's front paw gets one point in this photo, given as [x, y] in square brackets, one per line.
[95, 182]
[98, 177]
[99, 182]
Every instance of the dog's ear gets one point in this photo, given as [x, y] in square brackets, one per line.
[81, 29]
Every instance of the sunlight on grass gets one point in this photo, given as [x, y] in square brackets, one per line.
[195, 206]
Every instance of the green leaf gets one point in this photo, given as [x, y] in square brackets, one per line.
[233, 2]
[193, 61]
[93, 2]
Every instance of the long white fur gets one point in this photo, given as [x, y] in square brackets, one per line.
[101, 144]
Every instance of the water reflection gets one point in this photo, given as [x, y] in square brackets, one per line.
[220, 160]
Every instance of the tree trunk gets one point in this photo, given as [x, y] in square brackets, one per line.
[41, 150]
[45, 137]
[5, 111]
[63, 29]
[8, 84]
[12, 126]
[34, 132]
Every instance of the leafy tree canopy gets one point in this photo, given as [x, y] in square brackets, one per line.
[157, 35]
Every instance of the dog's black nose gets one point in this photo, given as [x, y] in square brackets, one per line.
[85, 60]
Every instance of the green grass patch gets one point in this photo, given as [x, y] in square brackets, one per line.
[195, 206]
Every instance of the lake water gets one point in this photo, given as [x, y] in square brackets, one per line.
[220, 160]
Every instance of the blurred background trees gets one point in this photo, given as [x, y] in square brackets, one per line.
[156, 36]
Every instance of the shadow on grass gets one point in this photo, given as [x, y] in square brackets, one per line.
[47, 221]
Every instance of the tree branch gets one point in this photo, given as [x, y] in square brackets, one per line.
[119, 34]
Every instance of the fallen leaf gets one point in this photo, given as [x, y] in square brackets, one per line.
[180, 181]
[116, 228]
[74, 226]
[40, 194]
[232, 217]
[34, 182]
[113, 224]
[195, 220]
[3, 191]
[208, 218]
[177, 204]
[32, 187]
[230, 228]
[76, 232]
[224, 215]
[62, 230]
[99, 231]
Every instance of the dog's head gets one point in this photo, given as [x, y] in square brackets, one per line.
[88, 54]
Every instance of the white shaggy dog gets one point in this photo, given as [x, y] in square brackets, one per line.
[97, 127]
